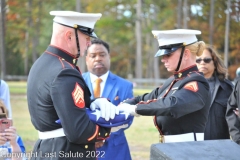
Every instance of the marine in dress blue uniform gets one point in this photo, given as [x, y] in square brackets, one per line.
[180, 106]
[57, 90]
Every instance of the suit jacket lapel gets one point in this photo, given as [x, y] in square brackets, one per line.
[111, 80]
[89, 84]
[215, 90]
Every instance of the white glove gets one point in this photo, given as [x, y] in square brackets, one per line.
[131, 109]
[115, 129]
[107, 109]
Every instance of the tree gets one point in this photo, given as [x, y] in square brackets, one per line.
[2, 38]
[179, 14]
[81, 61]
[226, 46]
[138, 70]
[28, 31]
[211, 23]
[185, 14]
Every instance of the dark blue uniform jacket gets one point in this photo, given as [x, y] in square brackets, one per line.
[180, 105]
[56, 90]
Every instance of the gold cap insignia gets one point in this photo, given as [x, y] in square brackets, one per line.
[75, 26]
[179, 75]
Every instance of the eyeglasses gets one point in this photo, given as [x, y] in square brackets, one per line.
[205, 60]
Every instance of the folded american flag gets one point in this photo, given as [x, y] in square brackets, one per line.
[95, 116]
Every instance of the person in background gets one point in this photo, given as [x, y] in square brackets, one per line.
[10, 142]
[112, 87]
[56, 90]
[214, 70]
[181, 104]
[232, 113]
[5, 96]
[237, 75]
[236, 111]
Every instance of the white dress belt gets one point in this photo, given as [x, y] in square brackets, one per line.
[51, 134]
[187, 137]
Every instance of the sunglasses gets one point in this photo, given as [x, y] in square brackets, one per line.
[205, 60]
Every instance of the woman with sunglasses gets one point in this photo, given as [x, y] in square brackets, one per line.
[214, 70]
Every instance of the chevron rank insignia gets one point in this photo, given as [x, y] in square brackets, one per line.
[78, 96]
[192, 86]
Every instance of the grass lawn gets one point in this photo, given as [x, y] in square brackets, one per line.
[140, 135]
[21, 120]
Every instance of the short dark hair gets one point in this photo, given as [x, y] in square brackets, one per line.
[99, 41]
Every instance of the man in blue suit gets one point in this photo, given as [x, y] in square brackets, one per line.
[112, 87]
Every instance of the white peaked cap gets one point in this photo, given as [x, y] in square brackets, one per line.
[71, 18]
[168, 37]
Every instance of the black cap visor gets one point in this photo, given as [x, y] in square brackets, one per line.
[162, 52]
[168, 49]
[86, 31]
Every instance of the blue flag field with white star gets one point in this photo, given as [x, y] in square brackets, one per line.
[95, 116]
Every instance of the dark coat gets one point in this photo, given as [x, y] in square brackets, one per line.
[57, 90]
[217, 127]
[232, 119]
[180, 106]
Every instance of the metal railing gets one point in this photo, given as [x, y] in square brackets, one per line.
[146, 82]
[137, 82]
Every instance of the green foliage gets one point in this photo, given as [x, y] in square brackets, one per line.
[14, 61]
[117, 27]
